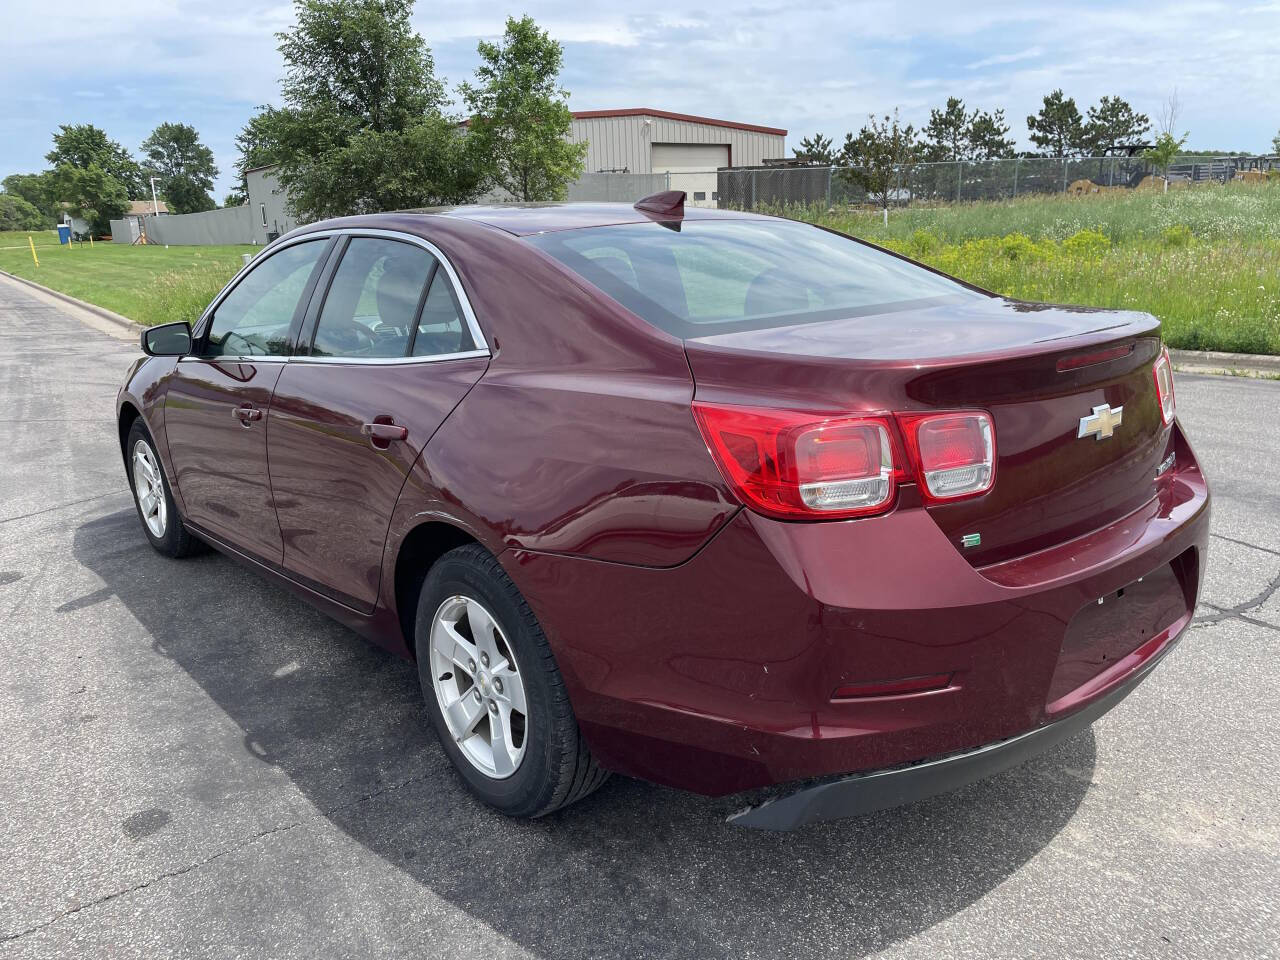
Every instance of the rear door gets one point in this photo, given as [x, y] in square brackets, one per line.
[385, 355]
[217, 401]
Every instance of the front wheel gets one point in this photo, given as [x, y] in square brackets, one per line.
[496, 698]
[151, 495]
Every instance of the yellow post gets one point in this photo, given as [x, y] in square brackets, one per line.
[33, 250]
[90, 239]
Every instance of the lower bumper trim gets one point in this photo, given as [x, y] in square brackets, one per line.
[882, 789]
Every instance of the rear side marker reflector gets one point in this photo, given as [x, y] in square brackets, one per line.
[1163, 372]
[892, 688]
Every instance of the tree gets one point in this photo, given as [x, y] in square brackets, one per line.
[91, 194]
[519, 116]
[946, 136]
[880, 158]
[184, 167]
[35, 189]
[236, 198]
[1057, 129]
[989, 137]
[17, 214]
[816, 149]
[83, 145]
[362, 127]
[954, 134]
[1113, 123]
[1167, 147]
[1275, 143]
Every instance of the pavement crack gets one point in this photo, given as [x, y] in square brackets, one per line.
[1238, 611]
[1246, 543]
[246, 842]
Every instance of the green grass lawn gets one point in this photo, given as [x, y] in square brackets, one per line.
[1206, 261]
[149, 284]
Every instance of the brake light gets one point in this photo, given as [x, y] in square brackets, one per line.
[794, 465]
[1163, 372]
[955, 453]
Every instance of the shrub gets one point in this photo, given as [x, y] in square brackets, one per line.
[1087, 244]
[921, 243]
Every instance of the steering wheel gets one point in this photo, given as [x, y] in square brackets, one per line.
[347, 338]
[253, 348]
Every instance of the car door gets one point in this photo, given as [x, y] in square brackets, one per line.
[217, 400]
[384, 357]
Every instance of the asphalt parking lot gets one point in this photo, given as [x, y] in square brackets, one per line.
[194, 763]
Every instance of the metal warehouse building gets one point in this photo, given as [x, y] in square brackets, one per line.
[689, 149]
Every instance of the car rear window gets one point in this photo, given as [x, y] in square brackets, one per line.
[697, 278]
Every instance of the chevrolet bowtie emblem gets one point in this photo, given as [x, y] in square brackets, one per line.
[1101, 423]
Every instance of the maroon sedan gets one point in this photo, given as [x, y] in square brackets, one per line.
[710, 498]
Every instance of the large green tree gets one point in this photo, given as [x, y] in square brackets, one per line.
[83, 145]
[182, 165]
[17, 214]
[91, 194]
[35, 189]
[1113, 123]
[1057, 129]
[362, 127]
[520, 117]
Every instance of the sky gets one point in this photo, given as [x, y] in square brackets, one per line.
[128, 65]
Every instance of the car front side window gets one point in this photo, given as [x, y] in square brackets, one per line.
[255, 318]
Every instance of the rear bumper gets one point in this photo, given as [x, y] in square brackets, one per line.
[718, 675]
[882, 789]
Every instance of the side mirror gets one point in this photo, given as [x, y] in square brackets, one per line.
[167, 340]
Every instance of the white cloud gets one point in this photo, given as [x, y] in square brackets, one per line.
[1005, 58]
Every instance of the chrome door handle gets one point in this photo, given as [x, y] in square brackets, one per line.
[246, 414]
[382, 433]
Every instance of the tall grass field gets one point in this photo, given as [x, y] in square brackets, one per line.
[1205, 260]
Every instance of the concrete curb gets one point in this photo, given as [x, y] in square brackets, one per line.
[1214, 361]
[124, 323]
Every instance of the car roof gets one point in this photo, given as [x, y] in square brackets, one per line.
[526, 219]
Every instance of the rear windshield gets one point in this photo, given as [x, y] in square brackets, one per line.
[696, 278]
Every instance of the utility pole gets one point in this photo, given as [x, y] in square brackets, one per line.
[155, 204]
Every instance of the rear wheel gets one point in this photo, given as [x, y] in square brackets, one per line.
[161, 521]
[496, 698]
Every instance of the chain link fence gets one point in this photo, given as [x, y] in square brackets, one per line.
[769, 187]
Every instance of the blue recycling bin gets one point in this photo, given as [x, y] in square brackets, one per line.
[64, 233]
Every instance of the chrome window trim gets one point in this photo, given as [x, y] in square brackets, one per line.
[469, 314]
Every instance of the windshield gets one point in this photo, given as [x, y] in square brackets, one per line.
[696, 278]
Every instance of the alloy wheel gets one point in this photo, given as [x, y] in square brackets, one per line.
[148, 484]
[478, 686]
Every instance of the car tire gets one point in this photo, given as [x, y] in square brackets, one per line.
[554, 767]
[157, 511]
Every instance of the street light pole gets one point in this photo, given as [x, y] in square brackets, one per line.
[155, 205]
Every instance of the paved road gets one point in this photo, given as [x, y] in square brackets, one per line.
[196, 764]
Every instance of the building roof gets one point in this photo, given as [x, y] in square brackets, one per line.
[140, 208]
[668, 115]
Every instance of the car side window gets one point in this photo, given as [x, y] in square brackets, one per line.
[442, 329]
[373, 300]
[254, 319]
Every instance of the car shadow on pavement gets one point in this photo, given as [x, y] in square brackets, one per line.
[634, 870]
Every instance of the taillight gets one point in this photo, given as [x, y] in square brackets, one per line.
[955, 453]
[794, 465]
[1163, 372]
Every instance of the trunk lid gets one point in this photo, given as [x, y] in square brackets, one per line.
[1036, 369]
